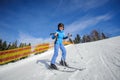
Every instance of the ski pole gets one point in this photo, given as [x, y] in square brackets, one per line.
[55, 38]
[76, 48]
[51, 44]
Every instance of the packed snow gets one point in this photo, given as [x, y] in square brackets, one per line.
[101, 60]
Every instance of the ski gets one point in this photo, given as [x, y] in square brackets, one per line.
[71, 67]
[80, 69]
[66, 70]
[63, 69]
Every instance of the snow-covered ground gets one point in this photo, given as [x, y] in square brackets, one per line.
[101, 60]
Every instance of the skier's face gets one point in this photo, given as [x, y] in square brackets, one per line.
[61, 28]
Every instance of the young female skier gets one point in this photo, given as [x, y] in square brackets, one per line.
[59, 35]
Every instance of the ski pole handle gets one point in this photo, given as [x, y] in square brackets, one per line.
[56, 34]
[69, 35]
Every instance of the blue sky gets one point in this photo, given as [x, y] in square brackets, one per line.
[33, 20]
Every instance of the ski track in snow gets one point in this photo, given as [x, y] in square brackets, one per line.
[107, 67]
[101, 60]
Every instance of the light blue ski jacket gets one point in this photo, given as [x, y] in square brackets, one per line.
[60, 37]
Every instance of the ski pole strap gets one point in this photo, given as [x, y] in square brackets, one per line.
[54, 37]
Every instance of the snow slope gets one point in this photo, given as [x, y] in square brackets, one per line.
[101, 60]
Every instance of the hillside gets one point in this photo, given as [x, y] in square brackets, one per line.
[101, 60]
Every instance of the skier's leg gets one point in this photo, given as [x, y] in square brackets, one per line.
[63, 52]
[63, 59]
[56, 48]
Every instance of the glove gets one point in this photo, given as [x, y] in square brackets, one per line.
[69, 35]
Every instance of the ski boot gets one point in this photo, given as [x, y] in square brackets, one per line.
[53, 66]
[63, 63]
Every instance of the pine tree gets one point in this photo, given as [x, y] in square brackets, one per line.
[1, 44]
[9, 46]
[78, 38]
[103, 36]
[29, 44]
[4, 46]
[84, 39]
[88, 39]
[70, 40]
[15, 44]
[21, 45]
[95, 35]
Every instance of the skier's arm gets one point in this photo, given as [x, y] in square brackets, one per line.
[69, 35]
[65, 37]
[54, 35]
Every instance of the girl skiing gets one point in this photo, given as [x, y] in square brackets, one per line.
[59, 35]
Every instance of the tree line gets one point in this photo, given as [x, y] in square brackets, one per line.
[93, 36]
[7, 46]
